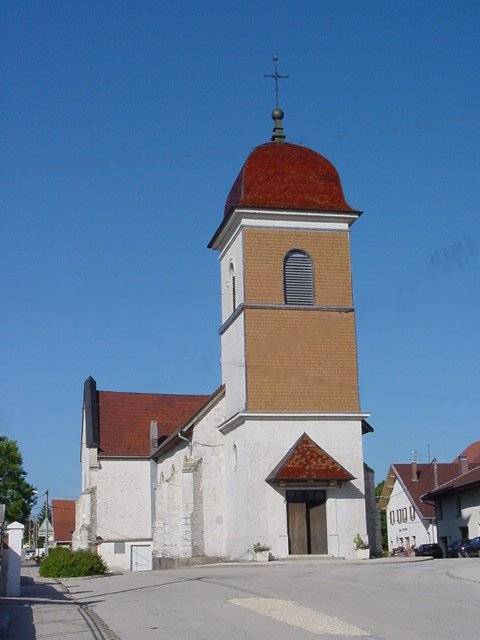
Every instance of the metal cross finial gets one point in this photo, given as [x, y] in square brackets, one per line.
[276, 77]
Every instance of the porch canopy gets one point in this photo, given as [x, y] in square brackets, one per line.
[307, 463]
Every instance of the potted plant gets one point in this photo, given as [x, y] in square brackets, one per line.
[361, 547]
[261, 552]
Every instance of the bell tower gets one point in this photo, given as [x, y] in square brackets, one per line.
[288, 320]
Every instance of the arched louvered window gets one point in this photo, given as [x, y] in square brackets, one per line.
[231, 270]
[298, 278]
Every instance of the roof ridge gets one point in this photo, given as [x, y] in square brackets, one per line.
[460, 475]
[151, 393]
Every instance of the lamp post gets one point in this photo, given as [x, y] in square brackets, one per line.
[47, 523]
[46, 533]
[2, 522]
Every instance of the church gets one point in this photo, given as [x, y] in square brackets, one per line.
[275, 454]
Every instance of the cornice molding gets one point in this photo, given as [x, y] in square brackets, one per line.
[281, 307]
[292, 220]
[243, 416]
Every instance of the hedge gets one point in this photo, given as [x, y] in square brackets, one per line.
[61, 562]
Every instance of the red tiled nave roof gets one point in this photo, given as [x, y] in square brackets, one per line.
[124, 419]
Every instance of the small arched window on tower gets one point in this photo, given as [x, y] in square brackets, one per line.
[231, 271]
[298, 278]
[235, 457]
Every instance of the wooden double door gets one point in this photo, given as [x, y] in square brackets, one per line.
[307, 521]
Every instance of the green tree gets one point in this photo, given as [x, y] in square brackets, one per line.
[43, 513]
[15, 492]
[383, 516]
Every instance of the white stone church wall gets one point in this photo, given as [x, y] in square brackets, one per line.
[257, 512]
[81, 538]
[233, 367]
[233, 254]
[190, 503]
[237, 507]
[123, 505]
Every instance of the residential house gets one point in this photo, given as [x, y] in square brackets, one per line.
[63, 522]
[411, 521]
[457, 501]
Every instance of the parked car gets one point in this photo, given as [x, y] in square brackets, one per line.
[29, 554]
[430, 549]
[458, 549]
[399, 551]
[472, 548]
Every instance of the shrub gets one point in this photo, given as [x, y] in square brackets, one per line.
[64, 563]
[359, 543]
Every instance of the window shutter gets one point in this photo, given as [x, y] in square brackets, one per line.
[298, 278]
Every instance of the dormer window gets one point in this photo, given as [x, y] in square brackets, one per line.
[298, 278]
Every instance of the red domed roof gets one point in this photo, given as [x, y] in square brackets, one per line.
[472, 452]
[280, 175]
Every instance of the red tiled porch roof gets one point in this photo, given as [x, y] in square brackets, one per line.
[307, 461]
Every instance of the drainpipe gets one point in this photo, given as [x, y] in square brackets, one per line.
[435, 485]
[190, 443]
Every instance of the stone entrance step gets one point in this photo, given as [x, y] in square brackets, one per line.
[177, 563]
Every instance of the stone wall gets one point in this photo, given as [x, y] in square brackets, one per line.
[236, 507]
[190, 494]
[373, 515]
[256, 511]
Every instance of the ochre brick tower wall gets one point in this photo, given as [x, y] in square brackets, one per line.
[299, 360]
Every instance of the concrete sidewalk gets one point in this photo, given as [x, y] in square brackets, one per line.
[43, 610]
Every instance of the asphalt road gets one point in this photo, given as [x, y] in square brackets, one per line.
[326, 599]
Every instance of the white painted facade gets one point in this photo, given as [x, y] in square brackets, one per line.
[115, 505]
[237, 507]
[405, 527]
[459, 510]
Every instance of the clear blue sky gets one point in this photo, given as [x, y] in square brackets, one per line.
[123, 127]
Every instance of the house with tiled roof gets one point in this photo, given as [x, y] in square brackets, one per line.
[63, 522]
[411, 521]
[275, 454]
[457, 501]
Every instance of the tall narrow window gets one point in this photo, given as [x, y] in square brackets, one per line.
[232, 285]
[298, 278]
